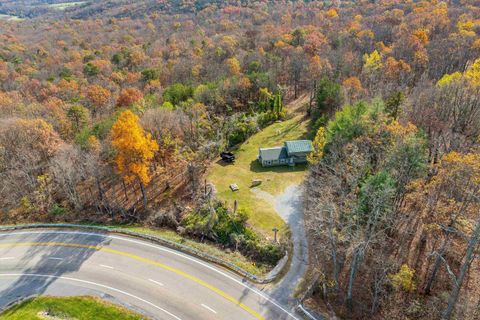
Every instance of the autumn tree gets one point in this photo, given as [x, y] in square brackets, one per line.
[353, 88]
[353, 197]
[233, 66]
[404, 279]
[135, 150]
[318, 146]
[98, 97]
[453, 205]
[79, 117]
[68, 171]
[128, 97]
[449, 114]
[25, 149]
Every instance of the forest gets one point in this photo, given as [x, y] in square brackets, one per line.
[112, 112]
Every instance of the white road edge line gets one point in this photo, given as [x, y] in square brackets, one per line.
[208, 308]
[7, 258]
[105, 266]
[156, 282]
[158, 247]
[91, 283]
[306, 312]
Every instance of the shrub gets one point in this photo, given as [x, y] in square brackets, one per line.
[404, 279]
[266, 118]
[177, 93]
[57, 210]
[218, 224]
[149, 74]
[90, 70]
[242, 129]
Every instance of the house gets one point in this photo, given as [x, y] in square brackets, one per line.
[291, 153]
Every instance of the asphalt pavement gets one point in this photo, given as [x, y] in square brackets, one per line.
[154, 280]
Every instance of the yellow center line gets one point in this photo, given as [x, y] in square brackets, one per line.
[148, 261]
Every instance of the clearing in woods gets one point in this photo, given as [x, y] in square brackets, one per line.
[259, 202]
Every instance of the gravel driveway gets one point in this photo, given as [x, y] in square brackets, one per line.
[289, 206]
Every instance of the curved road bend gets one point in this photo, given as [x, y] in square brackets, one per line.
[159, 282]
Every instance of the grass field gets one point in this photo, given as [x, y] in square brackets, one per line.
[9, 17]
[69, 308]
[65, 5]
[262, 215]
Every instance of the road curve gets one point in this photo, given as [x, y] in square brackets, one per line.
[157, 281]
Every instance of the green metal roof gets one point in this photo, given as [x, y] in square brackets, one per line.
[299, 146]
[275, 153]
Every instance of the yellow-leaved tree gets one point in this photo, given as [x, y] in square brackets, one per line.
[135, 150]
[473, 73]
[404, 279]
[318, 145]
[234, 66]
[373, 61]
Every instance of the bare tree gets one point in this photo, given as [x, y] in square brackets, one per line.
[68, 170]
[467, 261]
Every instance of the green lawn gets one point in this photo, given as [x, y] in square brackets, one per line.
[71, 308]
[262, 215]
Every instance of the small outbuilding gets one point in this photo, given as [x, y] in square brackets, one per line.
[291, 153]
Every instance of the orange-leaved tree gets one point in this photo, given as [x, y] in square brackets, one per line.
[128, 97]
[135, 150]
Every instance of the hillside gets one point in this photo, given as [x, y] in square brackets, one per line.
[109, 9]
[115, 112]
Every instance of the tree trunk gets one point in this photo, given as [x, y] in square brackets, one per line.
[357, 256]
[142, 188]
[436, 267]
[100, 191]
[125, 190]
[333, 244]
[469, 256]
[312, 97]
[295, 89]
[334, 261]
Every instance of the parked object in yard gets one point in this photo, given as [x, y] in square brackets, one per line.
[256, 182]
[227, 157]
[234, 187]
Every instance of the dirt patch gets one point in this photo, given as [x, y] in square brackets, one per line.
[264, 195]
[47, 315]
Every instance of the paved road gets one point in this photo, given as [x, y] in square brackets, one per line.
[157, 281]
